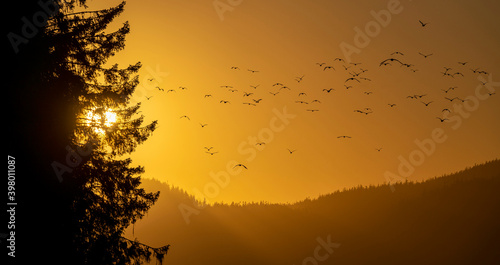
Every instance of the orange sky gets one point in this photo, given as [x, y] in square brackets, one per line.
[190, 44]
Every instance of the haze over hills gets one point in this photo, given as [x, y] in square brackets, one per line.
[452, 219]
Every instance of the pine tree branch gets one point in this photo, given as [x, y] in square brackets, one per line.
[83, 12]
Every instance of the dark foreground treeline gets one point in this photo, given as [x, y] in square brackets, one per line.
[453, 219]
[72, 192]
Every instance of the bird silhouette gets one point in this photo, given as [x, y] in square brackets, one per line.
[426, 103]
[395, 53]
[249, 103]
[448, 90]
[425, 55]
[315, 101]
[224, 101]
[312, 110]
[390, 60]
[302, 94]
[208, 148]
[422, 23]
[232, 90]
[391, 105]
[445, 110]
[352, 78]
[344, 136]
[148, 98]
[328, 67]
[320, 64]
[245, 94]
[257, 100]
[291, 151]
[302, 102]
[274, 94]
[328, 90]
[260, 143]
[447, 74]
[207, 96]
[255, 87]
[298, 79]
[462, 63]
[252, 71]
[378, 149]
[363, 112]
[185, 117]
[346, 67]
[203, 125]
[235, 68]
[159, 88]
[170, 90]
[354, 74]
[441, 119]
[212, 153]
[240, 165]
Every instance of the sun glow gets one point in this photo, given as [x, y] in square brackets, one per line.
[101, 120]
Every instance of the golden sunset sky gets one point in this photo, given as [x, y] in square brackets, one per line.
[194, 44]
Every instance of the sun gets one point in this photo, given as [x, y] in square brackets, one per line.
[110, 118]
[101, 119]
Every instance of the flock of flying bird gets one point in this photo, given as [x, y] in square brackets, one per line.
[356, 74]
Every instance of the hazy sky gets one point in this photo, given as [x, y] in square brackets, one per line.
[194, 44]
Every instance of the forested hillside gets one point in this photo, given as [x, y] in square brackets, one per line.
[452, 219]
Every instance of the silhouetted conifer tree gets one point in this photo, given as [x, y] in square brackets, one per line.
[102, 193]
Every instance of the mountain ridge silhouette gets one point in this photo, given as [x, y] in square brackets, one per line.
[442, 220]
